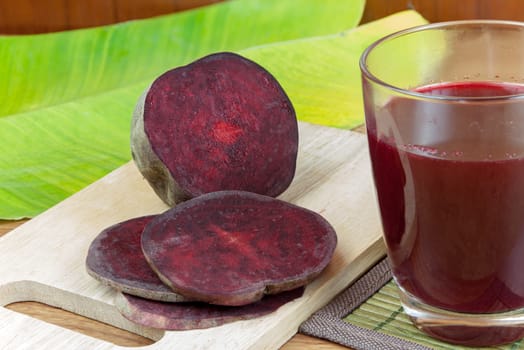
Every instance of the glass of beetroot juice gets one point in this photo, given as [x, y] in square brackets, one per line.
[444, 107]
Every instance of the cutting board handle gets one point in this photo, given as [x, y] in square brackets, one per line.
[33, 330]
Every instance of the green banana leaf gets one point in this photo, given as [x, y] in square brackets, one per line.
[322, 75]
[44, 70]
[51, 149]
[67, 97]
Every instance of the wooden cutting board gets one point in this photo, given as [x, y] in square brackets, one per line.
[43, 260]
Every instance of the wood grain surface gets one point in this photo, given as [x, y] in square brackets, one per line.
[41, 16]
[38, 16]
[448, 10]
[121, 337]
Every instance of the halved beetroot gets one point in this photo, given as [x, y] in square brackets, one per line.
[232, 247]
[194, 315]
[115, 258]
[220, 123]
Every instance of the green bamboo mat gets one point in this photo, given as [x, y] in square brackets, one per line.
[383, 313]
[368, 316]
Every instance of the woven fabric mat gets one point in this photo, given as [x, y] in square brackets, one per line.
[368, 316]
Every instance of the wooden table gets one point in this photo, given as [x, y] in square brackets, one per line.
[24, 17]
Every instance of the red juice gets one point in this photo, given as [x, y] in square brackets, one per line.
[450, 188]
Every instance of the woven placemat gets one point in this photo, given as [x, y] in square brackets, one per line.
[368, 316]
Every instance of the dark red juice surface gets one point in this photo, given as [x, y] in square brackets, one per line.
[451, 194]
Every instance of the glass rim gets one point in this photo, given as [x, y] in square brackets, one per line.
[432, 26]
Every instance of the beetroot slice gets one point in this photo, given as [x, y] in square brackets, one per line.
[231, 247]
[220, 123]
[115, 258]
[194, 315]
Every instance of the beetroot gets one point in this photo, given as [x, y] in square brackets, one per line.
[220, 123]
[194, 315]
[115, 258]
[231, 247]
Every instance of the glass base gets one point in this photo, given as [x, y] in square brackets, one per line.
[462, 328]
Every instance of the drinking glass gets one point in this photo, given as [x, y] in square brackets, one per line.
[444, 107]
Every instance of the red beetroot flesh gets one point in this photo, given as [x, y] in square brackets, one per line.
[222, 123]
[231, 247]
[115, 258]
[194, 315]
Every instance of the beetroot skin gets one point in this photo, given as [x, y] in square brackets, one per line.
[115, 258]
[220, 123]
[194, 315]
[232, 247]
